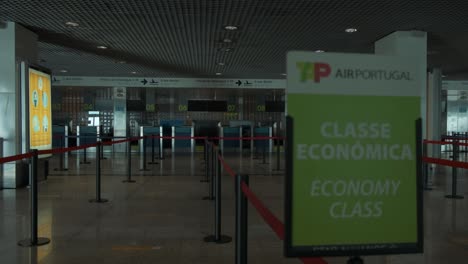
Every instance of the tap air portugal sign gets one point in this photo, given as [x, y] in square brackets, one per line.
[352, 185]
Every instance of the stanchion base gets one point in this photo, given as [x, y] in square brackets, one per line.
[129, 181]
[98, 201]
[222, 239]
[144, 170]
[208, 198]
[85, 162]
[28, 243]
[454, 196]
[56, 169]
[151, 162]
[355, 260]
[103, 158]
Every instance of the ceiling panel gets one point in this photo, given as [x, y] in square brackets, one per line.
[185, 37]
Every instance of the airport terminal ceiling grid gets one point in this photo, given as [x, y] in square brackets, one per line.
[186, 38]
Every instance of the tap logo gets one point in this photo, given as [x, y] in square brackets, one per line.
[313, 70]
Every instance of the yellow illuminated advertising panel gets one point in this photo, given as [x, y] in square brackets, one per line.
[40, 116]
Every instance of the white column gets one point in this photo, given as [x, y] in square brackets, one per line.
[434, 110]
[413, 46]
[16, 44]
[120, 116]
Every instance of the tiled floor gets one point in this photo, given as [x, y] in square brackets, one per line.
[162, 218]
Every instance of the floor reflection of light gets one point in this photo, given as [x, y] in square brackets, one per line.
[44, 230]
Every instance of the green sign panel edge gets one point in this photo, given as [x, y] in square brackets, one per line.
[355, 249]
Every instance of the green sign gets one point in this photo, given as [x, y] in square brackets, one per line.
[352, 167]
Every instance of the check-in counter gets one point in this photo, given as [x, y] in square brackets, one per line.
[184, 144]
[230, 145]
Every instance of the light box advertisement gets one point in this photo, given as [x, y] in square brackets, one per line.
[40, 113]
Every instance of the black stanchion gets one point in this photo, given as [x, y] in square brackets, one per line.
[98, 198]
[454, 173]
[264, 154]
[61, 157]
[278, 155]
[211, 171]
[152, 151]
[144, 155]
[205, 153]
[129, 163]
[241, 220]
[34, 240]
[161, 149]
[425, 169]
[85, 161]
[102, 150]
[217, 237]
[355, 260]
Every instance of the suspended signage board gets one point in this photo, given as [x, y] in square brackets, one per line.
[40, 113]
[167, 82]
[352, 162]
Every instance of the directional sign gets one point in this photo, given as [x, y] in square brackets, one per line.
[167, 82]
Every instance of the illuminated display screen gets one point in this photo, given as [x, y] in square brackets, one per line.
[40, 115]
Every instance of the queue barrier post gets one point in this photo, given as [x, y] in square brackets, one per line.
[144, 155]
[454, 173]
[98, 198]
[278, 155]
[85, 161]
[425, 169]
[152, 151]
[34, 240]
[264, 153]
[1, 156]
[102, 149]
[205, 154]
[241, 220]
[62, 156]
[218, 237]
[211, 170]
[129, 162]
[355, 260]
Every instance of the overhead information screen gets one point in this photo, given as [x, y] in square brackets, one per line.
[40, 115]
[207, 105]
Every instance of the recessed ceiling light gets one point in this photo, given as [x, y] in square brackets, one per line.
[350, 30]
[319, 51]
[72, 24]
[226, 49]
[284, 74]
[443, 76]
[101, 47]
[133, 72]
[218, 73]
[63, 70]
[231, 28]
[227, 40]
[120, 62]
[221, 63]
